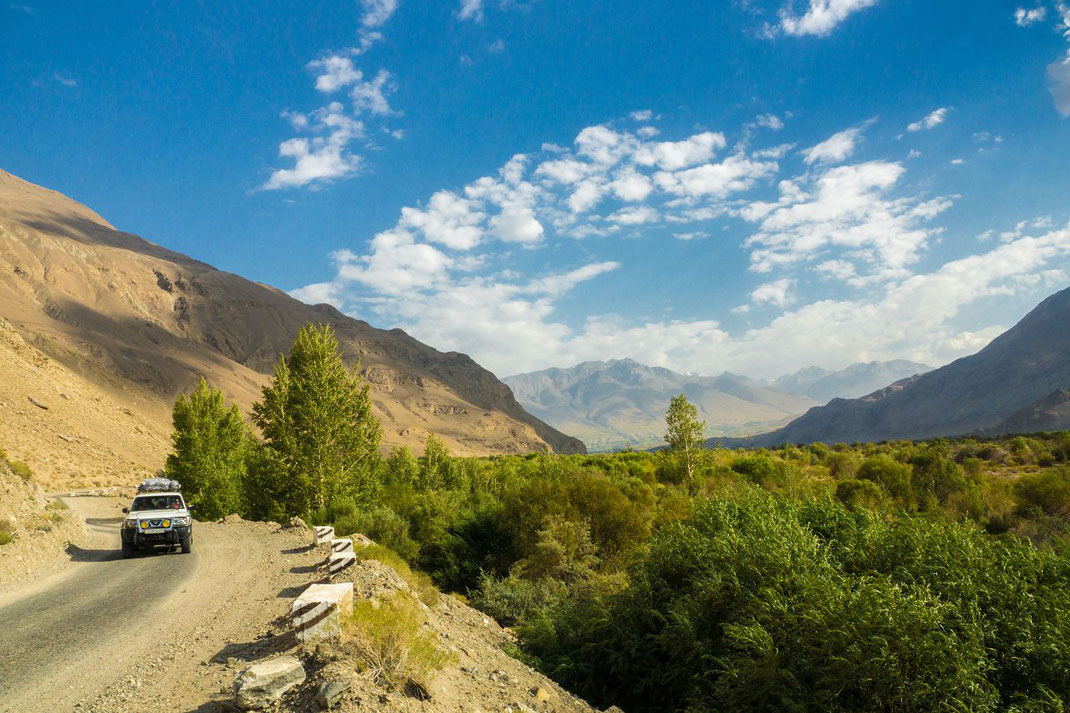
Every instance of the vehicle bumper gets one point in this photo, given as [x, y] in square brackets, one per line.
[170, 537]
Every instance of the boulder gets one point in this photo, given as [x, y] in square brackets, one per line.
[331, 693]
[262, 684]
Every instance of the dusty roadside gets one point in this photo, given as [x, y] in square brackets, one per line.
[107, 634]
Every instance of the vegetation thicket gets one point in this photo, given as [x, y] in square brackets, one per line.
[895, 576]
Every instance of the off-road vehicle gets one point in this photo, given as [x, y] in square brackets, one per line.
[158, 517]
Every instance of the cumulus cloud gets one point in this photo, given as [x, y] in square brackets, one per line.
[834, 149]
[845, 207]
[448, 271]
[1025, 18]
[328, 154]
[323, 157]
[334, 72]
[770, 121]
[377, 12]
[775, 293]
[931, 121]
[820, 19]
[449, 219]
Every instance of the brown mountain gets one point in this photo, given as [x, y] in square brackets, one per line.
[102, 320]
[1014, 384]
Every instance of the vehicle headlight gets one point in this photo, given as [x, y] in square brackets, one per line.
[180, 521]
[129, 524]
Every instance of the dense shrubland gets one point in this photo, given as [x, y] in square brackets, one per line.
[866, 577]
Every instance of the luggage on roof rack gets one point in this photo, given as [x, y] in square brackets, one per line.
[156, 485]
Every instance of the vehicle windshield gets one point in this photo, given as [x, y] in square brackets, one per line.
[157, 502]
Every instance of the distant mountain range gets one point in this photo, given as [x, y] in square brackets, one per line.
[1019, 383]
[622, 403]
[853, 382]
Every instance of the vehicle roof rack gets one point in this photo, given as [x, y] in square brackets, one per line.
[158, 485]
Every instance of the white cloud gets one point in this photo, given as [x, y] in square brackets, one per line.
[674, 155]
[335, 72]
[66, 81]
[634, 216]
[471, 10]
[642, 115]
[736, 173]
[370, 96]
[834, 149]
[931, 121]
[770, 121]
[377, 12]
[846, 207]
[630, 185]
[957, 161]
[517, 224]
[777, 293]
[328, 155]
[1025, 18]
[449, 274]
[1059, 85]
[821, 18]
[323, 157]
[449, 219]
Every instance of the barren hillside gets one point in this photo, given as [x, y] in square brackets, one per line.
[134, 324]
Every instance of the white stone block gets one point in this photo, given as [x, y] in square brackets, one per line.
[316, 613]
[322, 534]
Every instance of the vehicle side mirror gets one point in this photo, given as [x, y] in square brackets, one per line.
[190, 508]
[126, 509]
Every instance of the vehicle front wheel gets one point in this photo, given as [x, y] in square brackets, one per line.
[128, 551]
[187, 544]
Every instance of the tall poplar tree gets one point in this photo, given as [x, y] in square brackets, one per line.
[316, 415]
[683, 432]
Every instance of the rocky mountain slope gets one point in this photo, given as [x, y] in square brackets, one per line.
[622, 402]
[134, 324]
[1016, 383]
[852, 382]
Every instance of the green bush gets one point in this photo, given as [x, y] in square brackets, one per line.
[891, 475]
[1048, 491]
[765, 603]
[860, 493]
[514, 600]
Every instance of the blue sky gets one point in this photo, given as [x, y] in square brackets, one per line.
[747, 186]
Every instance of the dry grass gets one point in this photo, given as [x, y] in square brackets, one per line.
[390, 643]
[21, 469]
[7, 530]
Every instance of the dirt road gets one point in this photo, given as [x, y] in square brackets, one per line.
[150, 632]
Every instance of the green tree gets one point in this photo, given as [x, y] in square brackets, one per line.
[402, 466]
[434, 465]
[316, 415]
[683, 432]
[210, 444]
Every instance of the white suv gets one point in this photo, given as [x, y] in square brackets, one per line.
[157, 517]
